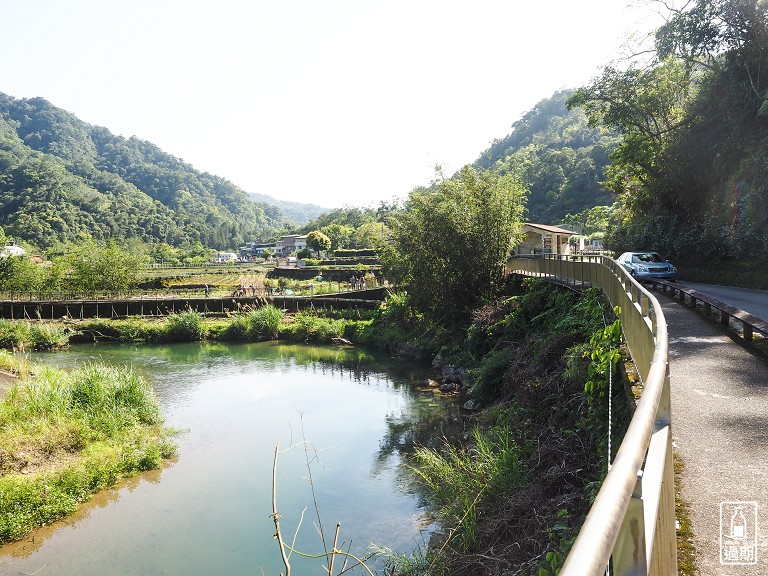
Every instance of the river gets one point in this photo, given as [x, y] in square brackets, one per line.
[352, 414]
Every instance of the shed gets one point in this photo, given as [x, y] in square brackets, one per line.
[544, 239]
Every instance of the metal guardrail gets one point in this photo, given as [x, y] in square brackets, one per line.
[631, 524]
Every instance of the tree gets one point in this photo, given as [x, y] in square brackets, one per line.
[19, 274]
[451, 243]
[318, 241]
[645, 104]
[97, 267]
[339, 234]
[371, 235]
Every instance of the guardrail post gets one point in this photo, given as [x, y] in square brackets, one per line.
[747, 331]
[629, 551]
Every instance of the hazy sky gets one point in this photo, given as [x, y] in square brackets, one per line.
[331, 102]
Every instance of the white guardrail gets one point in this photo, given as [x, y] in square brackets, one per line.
[631, 525]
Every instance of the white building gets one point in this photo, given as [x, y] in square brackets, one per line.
[12, 250]
[222, 257]
[544, 239]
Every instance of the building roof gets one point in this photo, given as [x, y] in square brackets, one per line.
[550, 229]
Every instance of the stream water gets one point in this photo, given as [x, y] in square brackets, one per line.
[354, 416]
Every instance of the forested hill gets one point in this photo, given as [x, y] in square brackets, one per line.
[298, 212]
[61, 178]
[560, 159]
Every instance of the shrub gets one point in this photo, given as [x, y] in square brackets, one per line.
[265, 323]
[185, 326]
[14, 333]
[45, 336]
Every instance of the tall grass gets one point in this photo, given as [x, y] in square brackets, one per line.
[308, 327]
[21, 334]
[264, 323]
[14, 334]
[14, 363]
[184, 326]
[460, 480]
[64, 436]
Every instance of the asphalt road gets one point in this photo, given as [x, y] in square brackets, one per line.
[753, 301]
[720, 429]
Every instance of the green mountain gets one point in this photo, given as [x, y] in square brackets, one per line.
[62, 179]
[297, 212]
[559, 158]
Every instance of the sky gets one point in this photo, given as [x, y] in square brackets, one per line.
[330, 102]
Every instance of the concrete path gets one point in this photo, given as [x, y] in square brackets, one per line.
[720, 429]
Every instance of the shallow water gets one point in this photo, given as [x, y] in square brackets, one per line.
[208, 511]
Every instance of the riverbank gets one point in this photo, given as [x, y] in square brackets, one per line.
[535, 367]
[68, 435]
[513, 492]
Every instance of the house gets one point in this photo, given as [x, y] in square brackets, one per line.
[544, 239]
[222, 257]
[257, 249]
[290, 244]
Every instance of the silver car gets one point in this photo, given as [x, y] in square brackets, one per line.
[647, 265]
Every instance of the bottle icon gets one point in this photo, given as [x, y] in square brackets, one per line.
[738, 524]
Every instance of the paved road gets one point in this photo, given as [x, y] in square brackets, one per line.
[753, 301]
[720, 429]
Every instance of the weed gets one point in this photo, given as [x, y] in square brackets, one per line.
[459, 479]
[184, 326]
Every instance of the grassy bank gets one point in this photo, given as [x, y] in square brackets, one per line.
[513, 493]
[257, 324]
[66, 435]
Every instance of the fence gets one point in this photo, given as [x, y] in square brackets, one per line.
[631, 524]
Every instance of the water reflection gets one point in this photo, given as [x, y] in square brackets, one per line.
[209, 512]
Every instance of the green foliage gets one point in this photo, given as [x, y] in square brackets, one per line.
[348, 217]
[529, 326]
[604, 358]
[63, 179]
[561, 536]
[19, 274]
[23, 334]
[370, 235]
[318, 241]
[14, 363]
[105, 419]
[693, 163]
[265, 322]
[308, 327]
[559, 158]
[451, 243]
[459, 479]
[185, 326]
[338, 235]
[102, 267]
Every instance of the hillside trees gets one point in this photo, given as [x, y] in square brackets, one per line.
[61, 178]
[693, 169]
[558, 156]
[449, 245]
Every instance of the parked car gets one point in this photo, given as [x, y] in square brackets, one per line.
[646, 265]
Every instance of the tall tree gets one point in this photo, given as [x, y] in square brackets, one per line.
[451, 243]
[318, 241]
